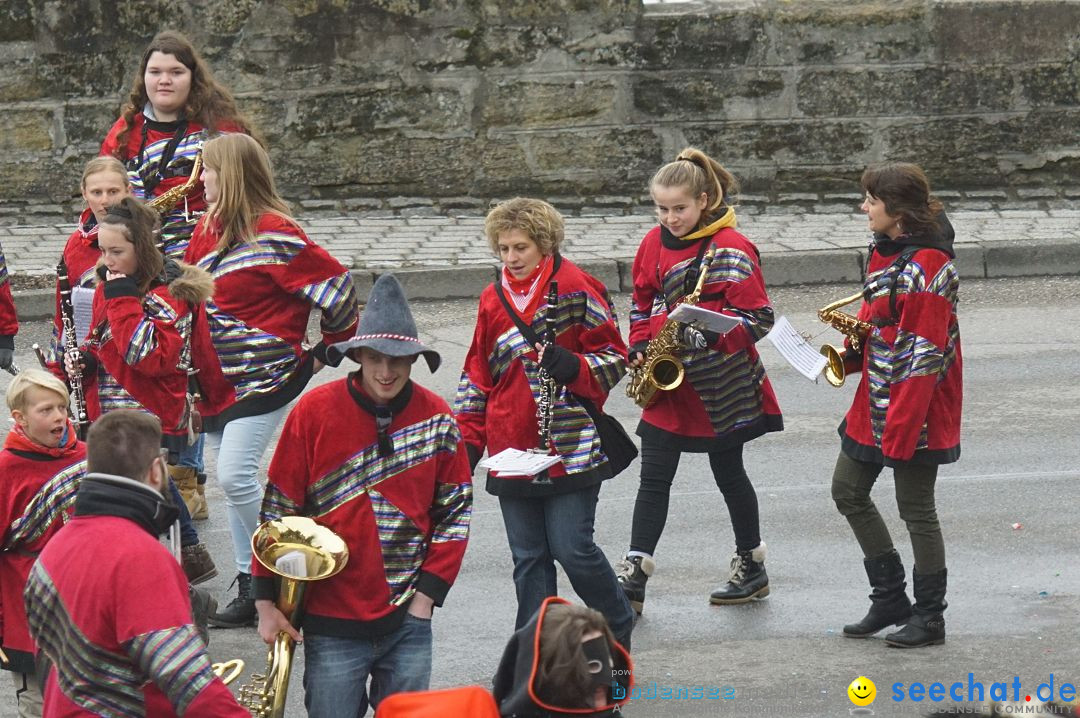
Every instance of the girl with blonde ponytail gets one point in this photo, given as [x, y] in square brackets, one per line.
[725, 398]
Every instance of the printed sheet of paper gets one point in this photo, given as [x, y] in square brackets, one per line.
[514, 462]
[82, 302]
[292, 564]
[705, 318]
[806, 360]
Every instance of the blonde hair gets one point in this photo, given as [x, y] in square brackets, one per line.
[245, 187]
[540, 222]
[28, 378]
[104, 164]
[698, 173]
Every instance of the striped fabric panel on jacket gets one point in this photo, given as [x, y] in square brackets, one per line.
[97, 680]
[113, 396]
[268, 249]
[412, 445]
[469, 397]
[728, 385]
[252, 360]
[403, 547]
[581, 309]
[336, 297]
[144, 339]
[178, 223]
[174, 659]
[51, 503]
[451, 512]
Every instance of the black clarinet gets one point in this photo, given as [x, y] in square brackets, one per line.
[545, 406]
[71, 349]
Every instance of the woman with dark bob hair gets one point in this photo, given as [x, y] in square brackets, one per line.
[906, 411]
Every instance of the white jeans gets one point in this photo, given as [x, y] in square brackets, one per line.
[240, 447]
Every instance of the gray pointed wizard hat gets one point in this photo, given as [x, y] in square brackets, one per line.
[387, 326]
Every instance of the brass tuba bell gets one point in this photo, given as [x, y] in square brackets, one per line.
[856, 331]
[299, 551]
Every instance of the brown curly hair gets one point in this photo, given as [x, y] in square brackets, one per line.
[208, 103]
[537, 219]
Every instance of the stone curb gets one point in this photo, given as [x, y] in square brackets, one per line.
[975, 260]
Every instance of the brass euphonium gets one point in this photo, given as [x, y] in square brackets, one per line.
[318, 553]
[856, 331]
[661, 369]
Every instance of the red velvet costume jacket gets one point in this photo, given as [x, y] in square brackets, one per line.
[9, 322]
[148, 143]
[37, 493]
[908, 404]
[725, 398]
[143, 346]
[499, 388]
[403, 509]
[109, 605]
[263, 294]
[80, 256]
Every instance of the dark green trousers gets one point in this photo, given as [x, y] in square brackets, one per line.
[851, 485]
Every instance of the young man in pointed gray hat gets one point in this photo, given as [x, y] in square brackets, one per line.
[379, 460]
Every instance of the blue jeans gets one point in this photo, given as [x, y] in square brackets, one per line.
[546, 529]
[336, 670]
[188, 535]
[192, 456]
[240, 447]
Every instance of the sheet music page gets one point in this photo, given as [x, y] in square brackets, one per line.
[82, 302]
[515, 462]
[806, 360]
[292, 564]
[704, 318]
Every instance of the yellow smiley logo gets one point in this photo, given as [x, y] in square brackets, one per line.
[862, 691]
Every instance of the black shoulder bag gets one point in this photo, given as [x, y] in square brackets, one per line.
[614, 441]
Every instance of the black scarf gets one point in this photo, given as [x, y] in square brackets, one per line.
[940, 238]
[383, 413]
[108, 495]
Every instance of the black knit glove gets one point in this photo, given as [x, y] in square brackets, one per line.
[638, 348]
[561, 364]
[694, 338]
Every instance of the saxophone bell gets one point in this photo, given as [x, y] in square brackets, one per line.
[855, 329]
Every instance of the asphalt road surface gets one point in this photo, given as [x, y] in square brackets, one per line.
[1008, 509]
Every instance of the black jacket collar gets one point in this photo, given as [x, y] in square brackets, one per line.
[109, 495]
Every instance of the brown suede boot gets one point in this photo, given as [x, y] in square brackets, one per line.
[186, 481]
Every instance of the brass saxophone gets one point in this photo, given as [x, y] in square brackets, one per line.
[855, 329]
[661, 370]
[324, 554]
[168, 199]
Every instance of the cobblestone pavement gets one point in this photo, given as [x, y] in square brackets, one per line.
[443, 257]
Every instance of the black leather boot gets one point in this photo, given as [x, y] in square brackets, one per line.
[748, 579]
[889, 603]
[632, 573]
[240, 612]
[926, 627]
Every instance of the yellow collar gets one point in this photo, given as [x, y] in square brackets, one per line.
[727, 220]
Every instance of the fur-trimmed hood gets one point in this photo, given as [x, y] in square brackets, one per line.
[187, 282]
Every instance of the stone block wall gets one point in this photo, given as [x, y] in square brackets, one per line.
[569, 99]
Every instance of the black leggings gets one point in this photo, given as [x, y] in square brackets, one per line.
[658, 466]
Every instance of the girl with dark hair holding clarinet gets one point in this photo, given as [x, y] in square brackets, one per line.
[906, 411]
[510, 376]
[143, 342]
